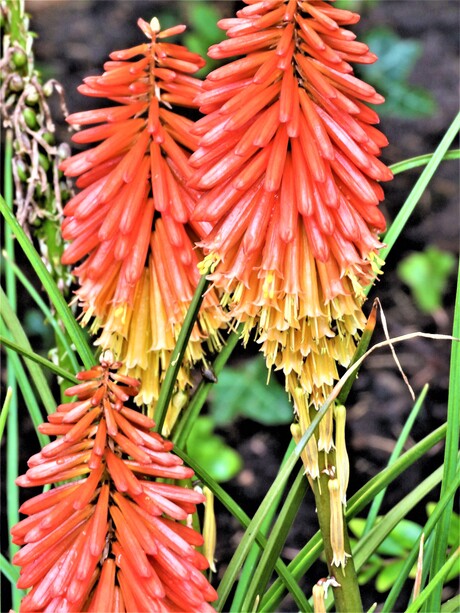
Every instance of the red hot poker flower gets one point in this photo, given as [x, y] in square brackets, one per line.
[288, 165]
[130, 223]
[112, 540]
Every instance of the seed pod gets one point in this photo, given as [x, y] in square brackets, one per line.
[47, 89]
[48, 137]
[19, 58]
[32, 96]
[30, 118]
[21, 169]
[16, 83]
[44, 161]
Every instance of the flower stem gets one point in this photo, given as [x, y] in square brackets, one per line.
[177, 355]
[347, 597]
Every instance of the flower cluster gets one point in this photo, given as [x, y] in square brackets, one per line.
[287, 162]
[131, 221]
[113, 540]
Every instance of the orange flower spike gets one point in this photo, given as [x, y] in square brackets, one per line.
[135, 175]
[307, 139]
[73, 556]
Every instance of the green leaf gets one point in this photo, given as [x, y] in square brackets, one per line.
[399, 540]
[4, 411]
[450, 460]
[428, 531]
[218, 459]
[397, 58]
[388, 575]
[427, 274]
[370, 569]
[452, 605]
[435, 583]
[409, 205]
[406, 533]
[453, 537]
[454, 571]
[243, 391]
[203, 17]
[276, 541]
[76, 334]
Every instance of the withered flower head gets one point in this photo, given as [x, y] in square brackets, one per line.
[113, 540]
[131, 220]
[288, 165]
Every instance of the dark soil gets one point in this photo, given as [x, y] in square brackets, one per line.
[75, 37]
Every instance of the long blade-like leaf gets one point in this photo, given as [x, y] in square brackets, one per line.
[418, 189]
[35, 357]
[429, 527]
[67, 317]
[433, 603]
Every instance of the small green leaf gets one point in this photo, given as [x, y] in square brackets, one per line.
[210, 451]
[243, 392]
[453, 537]
[406, 533]
[427, 274]
[388, 576]
[398, 542]
[397, 58]
[454, 571]
[370, 569]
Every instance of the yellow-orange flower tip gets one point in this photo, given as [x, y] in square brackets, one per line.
[289, 170]
[130, 224]
[318, 593]
[87, 543]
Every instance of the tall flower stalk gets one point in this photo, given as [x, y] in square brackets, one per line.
[131, 222]
[288, 166]
[108, 536]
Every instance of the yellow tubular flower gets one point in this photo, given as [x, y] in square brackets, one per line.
[339, 557]
[341, 455]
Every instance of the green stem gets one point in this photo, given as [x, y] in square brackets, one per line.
[243, 595]
[185, 425]
[422, 160]
[12, 440]
[177, 355]
[376, 504]
[347, 596]
[418, 189]
[35, 357]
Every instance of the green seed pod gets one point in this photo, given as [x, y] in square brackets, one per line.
[30, 118]
[21, 169]
[19, 58]
[44, 161]
[48, 137]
